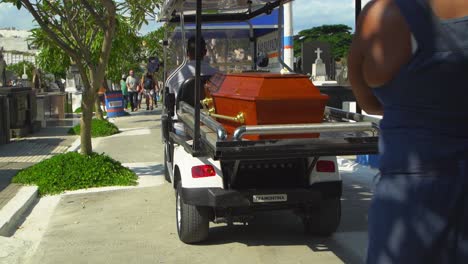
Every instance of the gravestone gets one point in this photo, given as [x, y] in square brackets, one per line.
[342, 74]
[319, 70]
[74, 87]
[309, 56]
[25, 78]
[3, 65]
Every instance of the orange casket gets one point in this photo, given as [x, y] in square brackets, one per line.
[265, 99]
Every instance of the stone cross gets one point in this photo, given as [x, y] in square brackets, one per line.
[319, 69]
[318, 51]
[24, 76]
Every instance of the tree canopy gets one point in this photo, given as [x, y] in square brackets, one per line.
[51, 58]
[339, 36]
[85, 31]
[154, 46]
[126, 50]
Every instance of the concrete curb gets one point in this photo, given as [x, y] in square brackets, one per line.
[13, 212]
[75, 146]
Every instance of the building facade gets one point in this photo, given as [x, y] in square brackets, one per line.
[16, 46]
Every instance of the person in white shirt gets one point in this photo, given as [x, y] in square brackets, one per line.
[132, 84]
[188, 70]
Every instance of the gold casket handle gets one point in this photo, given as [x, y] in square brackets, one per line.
[239, 118]
[207, 104]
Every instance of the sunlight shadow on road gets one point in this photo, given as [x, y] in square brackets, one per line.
[283, 228]
[146, 168]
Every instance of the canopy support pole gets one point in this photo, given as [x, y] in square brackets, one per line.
[357, 9]
[196, 133]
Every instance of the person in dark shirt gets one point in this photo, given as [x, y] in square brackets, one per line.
[409, 62]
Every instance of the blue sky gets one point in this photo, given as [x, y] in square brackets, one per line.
[306, 14]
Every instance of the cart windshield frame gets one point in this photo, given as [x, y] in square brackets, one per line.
[217, 11]
[203, 11]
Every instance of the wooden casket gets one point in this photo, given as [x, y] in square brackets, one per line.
[264, 99]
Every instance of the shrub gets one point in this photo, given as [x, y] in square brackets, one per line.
[73, 171]
[99, 128]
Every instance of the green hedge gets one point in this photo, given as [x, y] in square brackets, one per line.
[73, 171]
[99, 128]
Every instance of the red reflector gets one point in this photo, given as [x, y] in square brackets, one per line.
[203, 171]
[325, 166]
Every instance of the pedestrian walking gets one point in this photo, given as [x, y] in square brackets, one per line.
[132, 84]
[101, 94]
[123, 88]
[140, 94]
[149, 86]
[156, 91]
[408, 61]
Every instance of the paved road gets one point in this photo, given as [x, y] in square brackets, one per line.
[138, 225]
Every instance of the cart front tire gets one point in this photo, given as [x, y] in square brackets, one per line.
[192, 221]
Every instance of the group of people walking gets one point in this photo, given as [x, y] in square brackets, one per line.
[134, 89]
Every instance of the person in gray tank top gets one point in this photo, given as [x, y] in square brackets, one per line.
[409, 62]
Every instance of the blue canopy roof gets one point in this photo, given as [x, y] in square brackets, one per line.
[262, 25]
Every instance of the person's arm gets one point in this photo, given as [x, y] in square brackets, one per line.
[381, 45]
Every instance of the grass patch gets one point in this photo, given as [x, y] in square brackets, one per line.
[99, 128]
[73, 171]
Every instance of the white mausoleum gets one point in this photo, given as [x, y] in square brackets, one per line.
[16, 47]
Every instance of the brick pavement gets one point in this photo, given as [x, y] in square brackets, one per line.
[25, 152]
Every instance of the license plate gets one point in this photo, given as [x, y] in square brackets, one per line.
[270, 198]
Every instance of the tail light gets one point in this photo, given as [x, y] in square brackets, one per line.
[203, 171]
[325, 166]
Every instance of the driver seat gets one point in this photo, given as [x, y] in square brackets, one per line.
[187, 90]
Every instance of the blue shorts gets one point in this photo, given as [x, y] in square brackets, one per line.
[420, 219]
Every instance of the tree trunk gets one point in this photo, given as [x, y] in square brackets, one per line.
[97, 106]
[86, 117]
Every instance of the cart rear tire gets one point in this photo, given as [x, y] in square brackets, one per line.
[192, 221]
[326, 220]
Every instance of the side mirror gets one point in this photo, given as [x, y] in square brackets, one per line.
[262, 60]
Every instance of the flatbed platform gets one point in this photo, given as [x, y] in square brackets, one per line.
[337, 138]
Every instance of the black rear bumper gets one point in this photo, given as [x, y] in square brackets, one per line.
[221, 198]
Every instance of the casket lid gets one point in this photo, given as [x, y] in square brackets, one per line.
[263, 86]
[266, 75]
